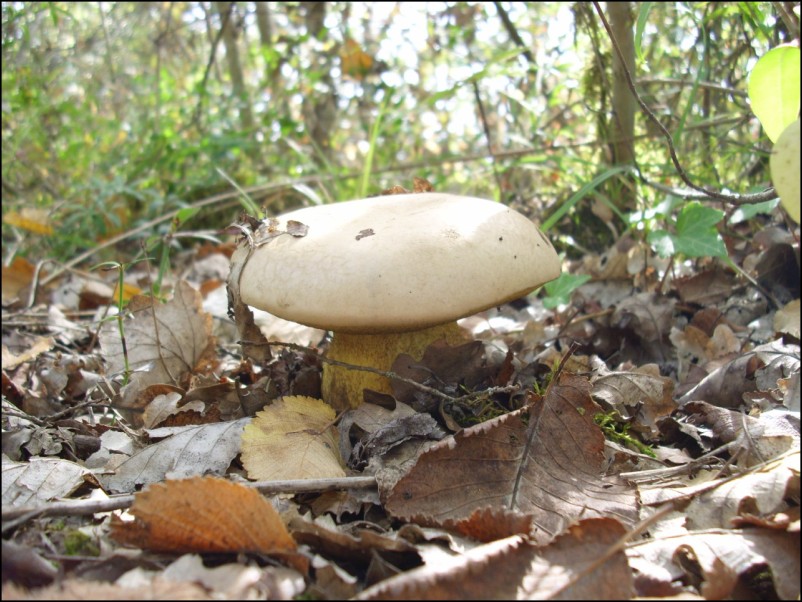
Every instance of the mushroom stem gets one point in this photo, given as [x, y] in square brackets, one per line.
[343, 388]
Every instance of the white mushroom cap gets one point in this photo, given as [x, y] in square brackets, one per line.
[396, 263]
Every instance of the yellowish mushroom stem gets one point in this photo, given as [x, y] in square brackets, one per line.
[343, 387]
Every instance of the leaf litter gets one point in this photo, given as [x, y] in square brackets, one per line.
[503, 484]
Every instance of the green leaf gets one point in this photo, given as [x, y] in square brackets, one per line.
[774, 89]
[186, 213]
[662, 242]
[643, 15]
[558, 292]
[587, 188]
[696, 232]
[746, 212]
[696, 218]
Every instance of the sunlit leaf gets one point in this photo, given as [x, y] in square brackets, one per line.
[774, 89]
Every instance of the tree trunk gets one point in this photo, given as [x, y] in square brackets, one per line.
[624, 104]
[319, 107]
[263, 23]
[225, 10]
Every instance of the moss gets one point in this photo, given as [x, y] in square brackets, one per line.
[77, 543]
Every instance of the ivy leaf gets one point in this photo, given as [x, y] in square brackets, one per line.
[558, 292]
[696, 234]
[662, 242]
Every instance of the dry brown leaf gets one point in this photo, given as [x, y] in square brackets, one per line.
[357, 547]
[716, 559]
[641, 393]
[190, 451]
[769, 434]
[166, 343]
[648, 315]
[38, 346]
[705, 288]
[79, 589]
[513, 568]
[451, 367]
[762, 494]
[786, 320]
[489, 524]
[39, 480]
[552, 471]
[293, 438]
[203, 515]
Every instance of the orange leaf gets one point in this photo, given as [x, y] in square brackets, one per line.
[203, 515]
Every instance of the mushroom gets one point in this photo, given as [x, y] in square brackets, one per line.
[390, 275]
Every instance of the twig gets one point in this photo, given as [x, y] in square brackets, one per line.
[685, 82]
[85, 507]
[735, 199]
[509, 26]
[488, 138]
[387, 374]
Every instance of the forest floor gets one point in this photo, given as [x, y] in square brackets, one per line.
[639, 439]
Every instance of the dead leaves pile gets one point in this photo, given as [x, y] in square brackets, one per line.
[668, 468]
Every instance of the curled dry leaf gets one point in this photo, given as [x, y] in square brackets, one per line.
[203, 515]
[293, 438]
[717, 559]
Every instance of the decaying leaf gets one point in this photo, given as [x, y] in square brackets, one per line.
[641, 393]
[190, 451]
[165, 343]
[572, 567]
[39, 480]
[293, 438]
[715, 560]
[543, 460]
[203, 515]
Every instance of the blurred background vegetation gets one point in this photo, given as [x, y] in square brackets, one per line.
[116, 114]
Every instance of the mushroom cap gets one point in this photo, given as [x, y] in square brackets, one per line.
[395, 263]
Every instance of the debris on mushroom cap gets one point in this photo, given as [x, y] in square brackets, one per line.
[396, 263]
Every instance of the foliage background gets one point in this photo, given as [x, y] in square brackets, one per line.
[118, 113]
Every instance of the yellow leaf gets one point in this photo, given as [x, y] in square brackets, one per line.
[31, 219]
[293, 438]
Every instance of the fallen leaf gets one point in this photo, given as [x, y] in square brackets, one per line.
[165, 344]
[203, 515]
[641, 393]
[513, 568]
[544, 460]
[39, 480]
[191, 451]
[786, 320]
[717, 559]
[293, 438]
